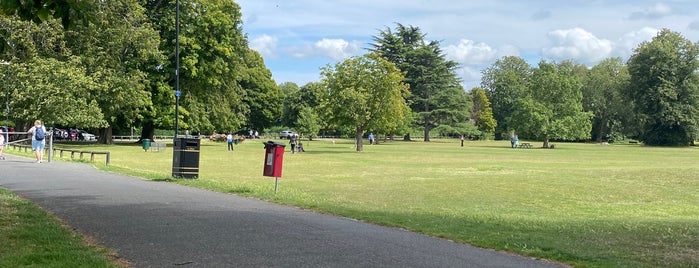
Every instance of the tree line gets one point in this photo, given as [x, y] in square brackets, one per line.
[109, 65]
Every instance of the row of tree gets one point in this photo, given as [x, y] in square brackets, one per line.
[654, 97]
[115, 69]
[110, 65]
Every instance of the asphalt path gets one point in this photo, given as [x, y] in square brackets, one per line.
[160, 224]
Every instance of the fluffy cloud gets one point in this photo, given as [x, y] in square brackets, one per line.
[265, 45]
[658, 11]
[577, 44]
[630, 41]
[469, 52]
[336, 49]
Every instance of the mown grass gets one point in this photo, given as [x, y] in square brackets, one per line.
[584, 204]
[29, 237]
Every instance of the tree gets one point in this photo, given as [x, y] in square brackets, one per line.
[58, 93]
[664, 87]
[38, 11]
[264, 97]
[505, 82]
[365, 93]
[118, 47]
[308, 123]
[431, 77]
[552, 107]
[603, 90]
[482, 113]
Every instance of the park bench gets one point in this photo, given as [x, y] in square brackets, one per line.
[157, 146]
[525, 145]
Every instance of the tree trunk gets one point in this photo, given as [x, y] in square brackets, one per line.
[358, 136]
[147, 131]
[546, 143]
[406, 137]
[105, 136]
[427, 132]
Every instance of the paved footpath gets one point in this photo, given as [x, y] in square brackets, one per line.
[159, 224]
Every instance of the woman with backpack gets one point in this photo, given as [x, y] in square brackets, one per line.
[38, 139]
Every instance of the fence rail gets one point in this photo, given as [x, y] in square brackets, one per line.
[51, 151]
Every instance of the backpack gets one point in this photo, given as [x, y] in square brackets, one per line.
[39, 134]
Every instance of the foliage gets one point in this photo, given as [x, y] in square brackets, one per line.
[308, 123]
[482, 113]
[665, 89]
[58, 93]
[505, 82]
[603, 95]
[436, 95]
[364, 93]
[552, 108]
[68, 11]
[264, 97]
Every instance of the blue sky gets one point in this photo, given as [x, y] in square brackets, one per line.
[298, 37]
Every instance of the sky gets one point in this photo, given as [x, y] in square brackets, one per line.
[298, 37]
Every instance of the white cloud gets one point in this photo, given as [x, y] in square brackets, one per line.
[266, 45]
[336, 49]
[469, 52]
[577, 44]
[658, 11]
[630, 41]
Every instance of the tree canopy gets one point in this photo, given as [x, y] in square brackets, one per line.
[437, 98]
[665, 89]
[365, 93]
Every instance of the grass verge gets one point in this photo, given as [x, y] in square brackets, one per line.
[29, 237]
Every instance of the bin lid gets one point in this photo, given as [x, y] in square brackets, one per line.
[273, 144]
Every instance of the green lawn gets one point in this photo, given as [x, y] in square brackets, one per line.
[588, 205]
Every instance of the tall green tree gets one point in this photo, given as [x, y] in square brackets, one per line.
[505, 82]
[264, 97]
[365, 93]
[552, 107]
[118, 47]
[482, 113]
[308, 123]
[213, 75]
[603, 95]
[431, 77]
[664, 86]
[68, 11]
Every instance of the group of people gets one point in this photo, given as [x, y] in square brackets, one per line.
[514, 141]
[296, 144]
[231, 139]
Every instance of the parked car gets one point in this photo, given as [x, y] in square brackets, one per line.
[286, 134]
[85, 136]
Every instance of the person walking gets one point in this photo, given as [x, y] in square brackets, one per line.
[292, 142]
[2, 144]
[371, 138]
[229, 139]
[38, 132]
[462, 140]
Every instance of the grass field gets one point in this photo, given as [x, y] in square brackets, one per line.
[583, 204]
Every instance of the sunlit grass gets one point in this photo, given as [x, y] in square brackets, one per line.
[584, 204]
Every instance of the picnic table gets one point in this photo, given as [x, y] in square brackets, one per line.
[525, 145]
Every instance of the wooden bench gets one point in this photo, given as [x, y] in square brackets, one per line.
[525, 145]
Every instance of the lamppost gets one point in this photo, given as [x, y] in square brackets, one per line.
[177, 67]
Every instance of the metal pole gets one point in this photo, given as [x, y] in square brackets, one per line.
[276, 184]
[177, 66]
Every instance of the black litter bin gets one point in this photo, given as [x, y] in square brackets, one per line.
[185, 159]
